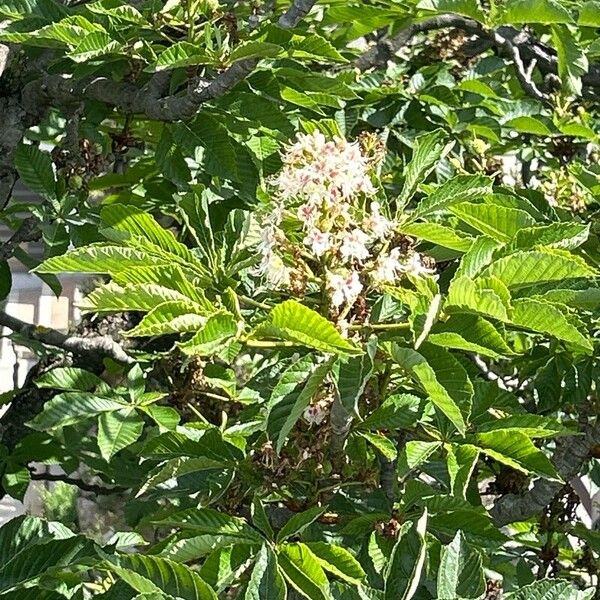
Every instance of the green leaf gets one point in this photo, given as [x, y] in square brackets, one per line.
[98, 259]
[488, 297]
[182, 54]
[130, 221]
[406, 562]
[418, 367]
[299, 522]
[516, 450]
[260, 518]
[208, 521]
[284, 413]
[170, 159]
[353, 376]
[175, 316]
[427, 151]
[438, 234]
[93, 45]
[589, 14]
[35, 169]
[72, 407]
[468, 8]
[384, 445]
[470, 333]
[499, 222]
[568, 235]
[529, 124]
[572, 61]
[114, 298]
[458, 189]
[70, 379]
[538, 315]
[266, 582]
[460, 574]
[551, 589]
[117, 430]
[535, 11]
[480, 254]
[338, 561]
[461, 462]
[313, 46]
[255, 49]
[415, 453]
[396, 412]
[217, 330]
[151, 574]
[524, 269]
[32, 562]
[304, 572]
[294, 322]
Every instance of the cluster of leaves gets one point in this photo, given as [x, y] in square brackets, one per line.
[440, 395]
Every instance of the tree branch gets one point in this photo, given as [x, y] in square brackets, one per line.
[295, 13]
[82, 485]
[130, 98]
[570, 455]
[506, 39]
[92, 346]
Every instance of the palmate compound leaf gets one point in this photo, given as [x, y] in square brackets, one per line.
[152, 574]
[460, 574]
[294, 322]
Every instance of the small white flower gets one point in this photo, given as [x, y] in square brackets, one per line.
[315, 414]
[354, 245]
[387, 267]
[274, 269]
[344, 288]
[413, 265]
[376, 223]
[318, 241]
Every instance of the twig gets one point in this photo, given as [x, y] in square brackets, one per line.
[82, 485]
[92, 346]
[28, 231]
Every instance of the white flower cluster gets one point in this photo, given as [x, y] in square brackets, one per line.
[326, 185]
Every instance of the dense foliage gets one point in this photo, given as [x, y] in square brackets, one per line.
[340, 340]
